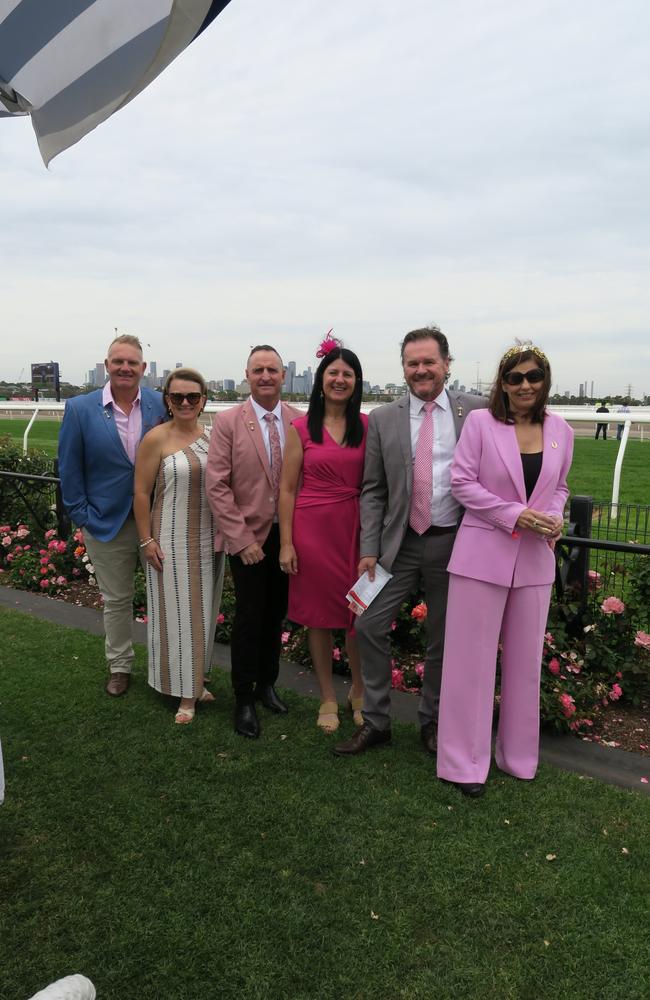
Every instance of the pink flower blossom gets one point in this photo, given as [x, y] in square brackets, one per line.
[61, 581]
[616, 692]
[398, 679]
[285, 638]
[4, 529]
[642, 639]
[61, 547]
[612, 606]
[44, 561]
[50, 534]
[43, 571]
[336, 653]
[22, 531]
[51, 567]
[52, 545]
[419, 612]
[44, 584]
[568, 705]
[594, 580]
[26, 548]
[6, 541]
[221, 619]
[419, 670]
[548, 637]
[644, 781]
[554, 665]
[393, 626]
[76, 571]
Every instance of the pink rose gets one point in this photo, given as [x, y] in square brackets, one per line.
[44, 570]
[397, 679]
[568, 704]
[616, 692]
[26, 548]
[393, 626]
[594, 580]
[61, 581]
[6, 541]
[22, 531]
[285, 638]
[612, 606]
[554, 665]
[76, 571]
[61, 547]
[10, 557]
[419, 670]
[221, 619]
[44, 584]
[52, 545]
[336, 653]
[419, 612]
[50, 534]
[642, 639]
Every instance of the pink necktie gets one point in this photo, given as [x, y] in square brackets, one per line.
[276, 454]
[420, 518]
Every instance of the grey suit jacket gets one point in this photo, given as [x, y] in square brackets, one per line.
[388, 474]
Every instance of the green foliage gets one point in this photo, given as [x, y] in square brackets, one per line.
[20, 501]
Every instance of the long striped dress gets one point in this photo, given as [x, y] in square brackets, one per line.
[183, 600]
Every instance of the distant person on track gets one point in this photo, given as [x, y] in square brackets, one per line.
[602, 427]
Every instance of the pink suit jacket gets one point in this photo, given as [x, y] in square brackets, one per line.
[487, 479]
[238, 478]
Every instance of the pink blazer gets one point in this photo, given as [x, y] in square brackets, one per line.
[487, 479]
[238, 478]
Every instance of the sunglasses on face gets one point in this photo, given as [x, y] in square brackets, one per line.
[533, 377]
[176, 398]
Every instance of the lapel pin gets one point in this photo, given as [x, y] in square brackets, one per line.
[107, 414]
[459, 411]
[553, 444]
[251, 425]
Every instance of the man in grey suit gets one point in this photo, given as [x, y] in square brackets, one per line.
[413, 544]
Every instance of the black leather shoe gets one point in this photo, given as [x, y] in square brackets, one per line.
[473, 791]
[364, 738]
[246, 723]
[270, 699]
[429, 737]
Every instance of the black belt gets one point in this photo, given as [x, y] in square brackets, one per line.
[436, 529]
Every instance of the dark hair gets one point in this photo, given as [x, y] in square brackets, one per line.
[353, 426]
[429, 333]
[263, 347]
[498, 403]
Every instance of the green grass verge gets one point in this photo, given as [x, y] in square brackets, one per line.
[169, 862]
[44, 433]
[592, 473]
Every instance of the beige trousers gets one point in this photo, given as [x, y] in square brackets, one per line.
[115, 564]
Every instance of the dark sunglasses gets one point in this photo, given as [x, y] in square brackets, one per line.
[534, 376]
[177, 398]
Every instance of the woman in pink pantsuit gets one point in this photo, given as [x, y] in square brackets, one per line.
[509, 472]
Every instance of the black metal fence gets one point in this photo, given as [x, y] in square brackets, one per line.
[601, 552]
[36, 498]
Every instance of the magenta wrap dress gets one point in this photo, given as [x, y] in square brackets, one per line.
[326, 530]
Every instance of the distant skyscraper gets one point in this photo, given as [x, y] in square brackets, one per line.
[298, 384]
[289, 376]
[581, 391]
[91, 377]
[100, 374]
[153, 372]
[229, 384]
[179, 364]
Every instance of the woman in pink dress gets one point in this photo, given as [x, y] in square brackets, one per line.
[319, 518]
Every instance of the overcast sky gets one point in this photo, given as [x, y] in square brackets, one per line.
[368, 166]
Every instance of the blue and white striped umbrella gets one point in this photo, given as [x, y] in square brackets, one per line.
[71, 64]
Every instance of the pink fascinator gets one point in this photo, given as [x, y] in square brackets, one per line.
[328, 344]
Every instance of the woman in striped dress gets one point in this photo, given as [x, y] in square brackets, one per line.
[176, 539]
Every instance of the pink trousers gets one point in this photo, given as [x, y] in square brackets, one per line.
[477, 614]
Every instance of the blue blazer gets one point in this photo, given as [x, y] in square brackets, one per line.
[95, 470]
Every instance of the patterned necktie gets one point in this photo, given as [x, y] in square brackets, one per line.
[276, 454]
[420, 518]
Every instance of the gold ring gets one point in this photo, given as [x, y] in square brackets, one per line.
[535, 522]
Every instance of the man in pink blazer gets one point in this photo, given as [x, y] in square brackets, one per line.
[509, 472]
[243, 480]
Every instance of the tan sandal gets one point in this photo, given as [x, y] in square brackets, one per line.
[328, 717]
[184, 716]
[356, 704]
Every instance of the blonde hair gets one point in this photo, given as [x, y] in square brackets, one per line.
[190, 375]
[125, 338]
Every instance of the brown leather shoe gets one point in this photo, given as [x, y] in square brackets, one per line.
[365, 737]
[118, 683]
[429, 737]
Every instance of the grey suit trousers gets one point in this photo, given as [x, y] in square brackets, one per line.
[420, 563]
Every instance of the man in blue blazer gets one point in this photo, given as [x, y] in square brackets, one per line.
[98, 441]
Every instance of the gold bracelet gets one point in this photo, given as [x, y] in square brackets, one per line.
[146, 542]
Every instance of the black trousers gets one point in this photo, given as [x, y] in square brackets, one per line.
[603, 428]
[261, 594]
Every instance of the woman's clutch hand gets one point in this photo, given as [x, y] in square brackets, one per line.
[154, 555]
[546, 525]
[288, 559]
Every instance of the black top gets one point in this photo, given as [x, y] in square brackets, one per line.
[532, 466]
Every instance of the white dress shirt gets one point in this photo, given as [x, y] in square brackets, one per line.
[260, 413]
[445, 511]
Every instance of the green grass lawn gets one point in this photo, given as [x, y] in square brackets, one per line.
[592, 472]
[167, 862]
